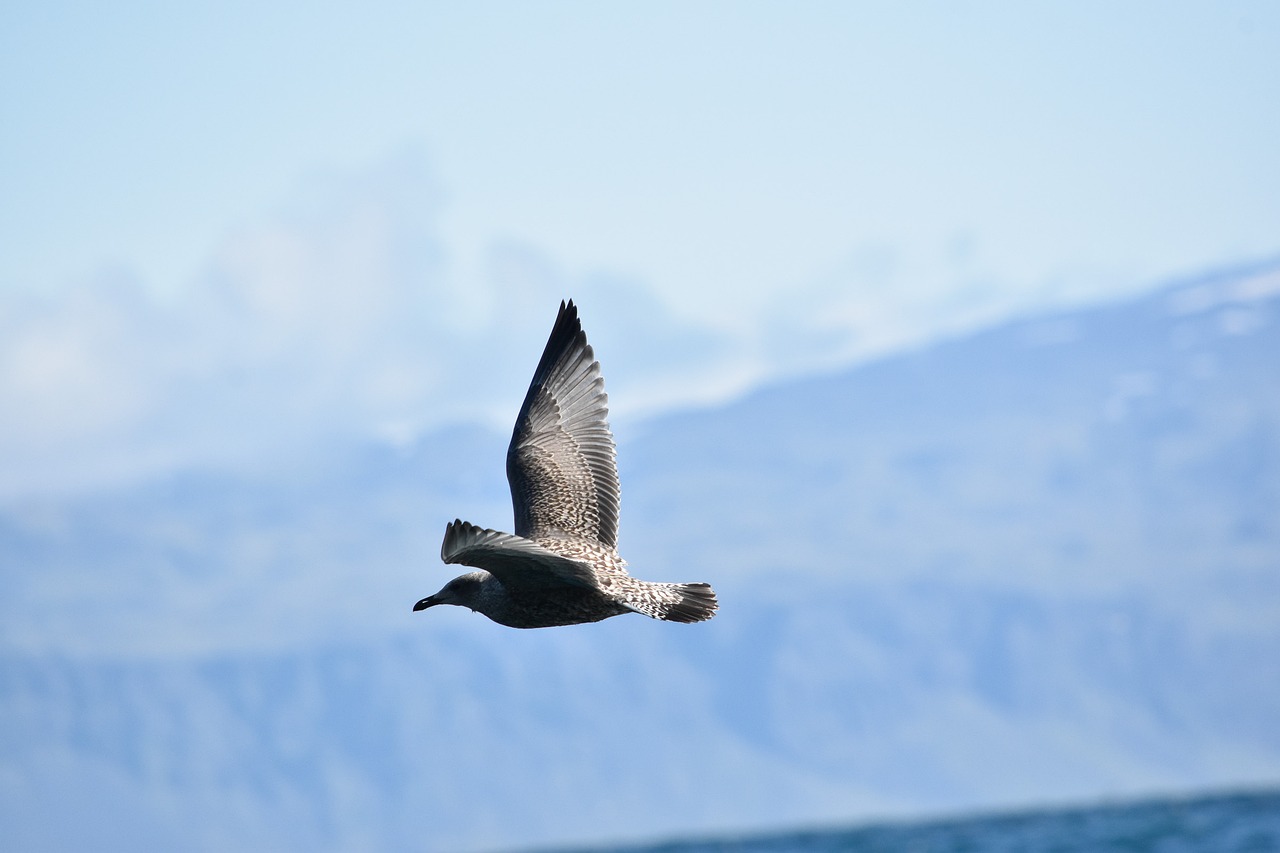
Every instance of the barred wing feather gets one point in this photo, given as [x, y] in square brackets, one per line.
[561, 464]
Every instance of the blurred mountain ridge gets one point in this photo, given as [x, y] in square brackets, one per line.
[1033, 564]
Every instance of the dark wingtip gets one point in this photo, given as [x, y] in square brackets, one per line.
[567, 316]
[564, 335]
[568, 313]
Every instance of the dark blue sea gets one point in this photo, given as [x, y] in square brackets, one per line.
[1222, 824]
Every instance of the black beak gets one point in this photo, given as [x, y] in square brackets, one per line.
[425, 603]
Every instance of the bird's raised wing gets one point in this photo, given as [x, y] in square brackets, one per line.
[561, 463]
[514, 560]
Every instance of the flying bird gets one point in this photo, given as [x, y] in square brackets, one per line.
[561, 566]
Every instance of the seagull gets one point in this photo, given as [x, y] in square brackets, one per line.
[561, 566]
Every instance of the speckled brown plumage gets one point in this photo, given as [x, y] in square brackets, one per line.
[561, 566]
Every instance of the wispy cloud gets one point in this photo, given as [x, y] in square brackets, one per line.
[348, 314]
[343, 315]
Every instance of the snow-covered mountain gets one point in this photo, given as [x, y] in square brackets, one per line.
[1037, 564]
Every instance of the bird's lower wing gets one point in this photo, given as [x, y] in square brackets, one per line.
[514, 560]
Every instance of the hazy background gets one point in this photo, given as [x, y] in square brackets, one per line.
[273, 281]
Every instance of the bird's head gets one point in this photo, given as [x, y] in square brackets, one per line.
[464, 591]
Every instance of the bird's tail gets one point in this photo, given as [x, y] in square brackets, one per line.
[678, 602]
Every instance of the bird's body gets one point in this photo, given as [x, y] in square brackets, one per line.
[561, 567]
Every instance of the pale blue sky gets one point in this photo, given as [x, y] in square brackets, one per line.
[857, 174]
[698, 146]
